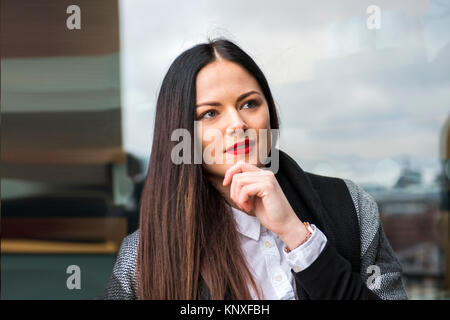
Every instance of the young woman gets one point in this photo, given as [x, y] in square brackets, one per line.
[250, 224]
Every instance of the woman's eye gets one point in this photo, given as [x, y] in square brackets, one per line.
[251, 104]
[208, 114]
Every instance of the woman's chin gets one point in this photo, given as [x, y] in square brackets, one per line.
[221, 169]
[250, 158]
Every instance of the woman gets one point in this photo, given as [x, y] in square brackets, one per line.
[238, 229]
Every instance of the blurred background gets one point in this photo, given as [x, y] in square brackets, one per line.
[362, 88]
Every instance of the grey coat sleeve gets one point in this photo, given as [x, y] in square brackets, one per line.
[375, 248]
[122, 282]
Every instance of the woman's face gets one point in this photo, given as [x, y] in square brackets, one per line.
[231, 108]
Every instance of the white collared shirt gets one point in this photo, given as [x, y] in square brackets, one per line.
[269, 264]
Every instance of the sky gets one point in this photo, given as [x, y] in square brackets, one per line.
[354, 102]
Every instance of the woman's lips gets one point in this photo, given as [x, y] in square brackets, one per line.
[242, 147]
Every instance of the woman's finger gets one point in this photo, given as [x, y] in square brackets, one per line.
[247, 194]
[241, 179]
[239, 167]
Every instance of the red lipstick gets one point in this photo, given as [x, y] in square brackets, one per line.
[242, 147]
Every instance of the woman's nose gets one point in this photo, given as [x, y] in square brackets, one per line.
[236, 123]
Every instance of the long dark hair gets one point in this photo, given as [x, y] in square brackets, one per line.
[186, 232]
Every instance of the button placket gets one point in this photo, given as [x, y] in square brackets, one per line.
[269, 246]
[277, 278]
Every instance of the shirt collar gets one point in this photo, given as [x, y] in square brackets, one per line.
[247, 225]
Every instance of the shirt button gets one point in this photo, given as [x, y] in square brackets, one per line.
[278, 277]
[268, 244]
[296, 269]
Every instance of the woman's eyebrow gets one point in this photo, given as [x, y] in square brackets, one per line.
[242, 96]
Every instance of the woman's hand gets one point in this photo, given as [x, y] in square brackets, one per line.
[257, 192]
